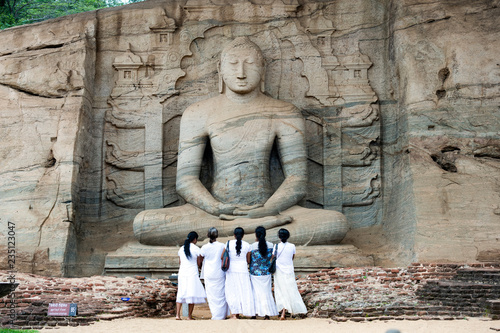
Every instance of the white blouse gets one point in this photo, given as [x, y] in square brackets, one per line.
[212, 262]
[284, 257]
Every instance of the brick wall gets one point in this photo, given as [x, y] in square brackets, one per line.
[98, 298]
[420, 291]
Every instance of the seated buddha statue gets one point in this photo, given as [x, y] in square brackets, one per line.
[241, 125]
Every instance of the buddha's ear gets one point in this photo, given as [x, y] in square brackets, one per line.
[263, 76]
[221, 81]
[263, 82]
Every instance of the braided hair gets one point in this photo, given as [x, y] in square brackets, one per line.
[212, 234]
[283, 234]
[260, 233]
[238, 233]
[190, 237]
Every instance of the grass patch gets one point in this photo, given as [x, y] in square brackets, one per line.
[11, 330]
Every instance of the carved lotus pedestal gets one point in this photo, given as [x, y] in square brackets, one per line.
[160, 261]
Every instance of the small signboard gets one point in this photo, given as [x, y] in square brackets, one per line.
[62, 309]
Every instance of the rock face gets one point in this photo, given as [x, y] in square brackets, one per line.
[46, 87]
[400, 101]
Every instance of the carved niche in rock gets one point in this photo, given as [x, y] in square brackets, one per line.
[154, 86]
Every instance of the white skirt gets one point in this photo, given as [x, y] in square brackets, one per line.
[216, 298]
[190, 290]
[239, 295]
[263, 295]
[287, 294]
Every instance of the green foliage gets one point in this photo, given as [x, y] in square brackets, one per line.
[10, 330]
[17, 12]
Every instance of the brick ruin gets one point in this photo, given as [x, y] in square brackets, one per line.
[98, 298]
[420, 291]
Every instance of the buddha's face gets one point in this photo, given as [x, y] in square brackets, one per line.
[241, 70]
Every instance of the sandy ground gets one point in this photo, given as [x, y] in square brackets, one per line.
[309, 325]
[146, 325]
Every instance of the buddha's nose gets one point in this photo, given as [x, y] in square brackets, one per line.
[241, 74]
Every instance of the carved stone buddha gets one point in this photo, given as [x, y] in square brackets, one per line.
[241, 125]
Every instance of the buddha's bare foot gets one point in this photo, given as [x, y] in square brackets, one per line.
[285, 219]
[274, 221]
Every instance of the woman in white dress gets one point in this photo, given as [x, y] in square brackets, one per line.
[214, 276]
[239, 295]
[189, 287]
[260, 260]
[285, 287]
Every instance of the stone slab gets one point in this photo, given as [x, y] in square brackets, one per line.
[161, 261]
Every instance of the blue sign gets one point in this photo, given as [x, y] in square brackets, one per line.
[72, 309]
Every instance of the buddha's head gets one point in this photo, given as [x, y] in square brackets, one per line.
[241, 67]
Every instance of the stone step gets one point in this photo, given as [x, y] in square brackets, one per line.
[112, 316]
[123, 309]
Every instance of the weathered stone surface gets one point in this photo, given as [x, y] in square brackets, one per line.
[440, 135]
[448, 95]
[400, 100]
[46, 75]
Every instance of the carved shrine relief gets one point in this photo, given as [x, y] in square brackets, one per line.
[340, 107]
[163, 30]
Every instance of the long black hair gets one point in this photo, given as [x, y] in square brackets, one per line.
[190, 237]
[238, 233]
[212, 234]
[260, 233]
[283, 234]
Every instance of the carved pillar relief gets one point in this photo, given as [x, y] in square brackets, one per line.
[360, 141]
[351, 131]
